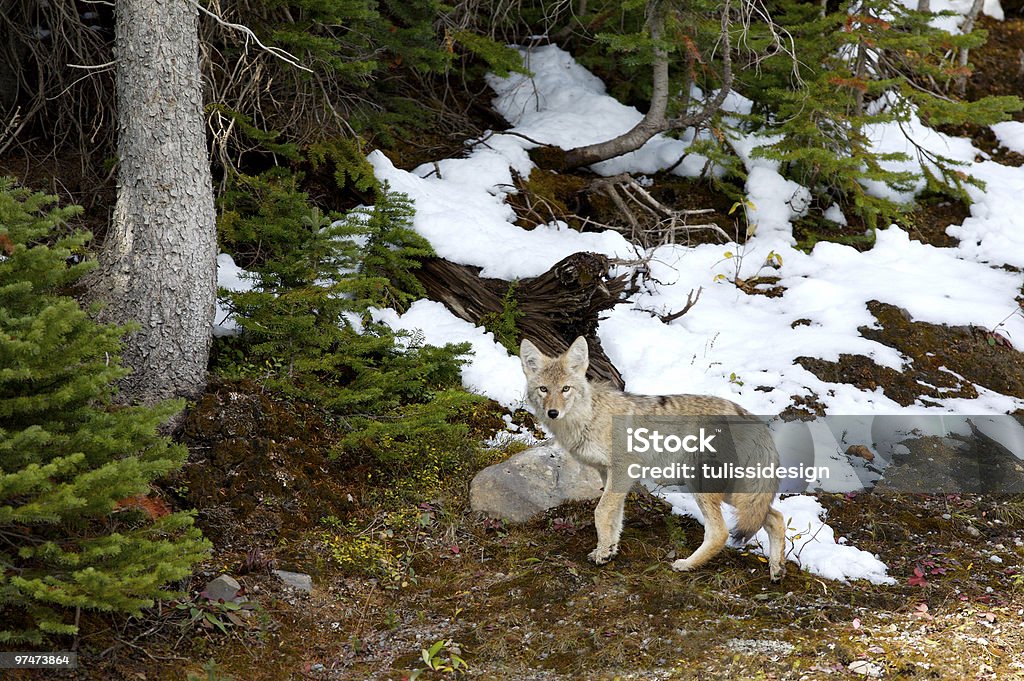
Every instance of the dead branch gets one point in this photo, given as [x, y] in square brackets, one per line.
[668, 318]
[41, 45]
[656, 120]
[690, 302]
[662, 224]
[283, 55]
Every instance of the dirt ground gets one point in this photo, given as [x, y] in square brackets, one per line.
[393, 579]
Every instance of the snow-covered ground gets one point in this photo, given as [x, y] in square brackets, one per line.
[730, 343]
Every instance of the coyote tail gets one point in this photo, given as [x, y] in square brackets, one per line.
[751, 512]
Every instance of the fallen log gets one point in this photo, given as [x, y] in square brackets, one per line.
[555, 307]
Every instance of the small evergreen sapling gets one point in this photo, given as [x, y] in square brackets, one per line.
[77, 527]
[308, 330]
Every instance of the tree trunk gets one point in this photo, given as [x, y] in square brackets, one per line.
[158, 264]
[653, 122]
[967, 27]
[556, 307]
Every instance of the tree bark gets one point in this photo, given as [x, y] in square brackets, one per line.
[158, 264]
[557, 306]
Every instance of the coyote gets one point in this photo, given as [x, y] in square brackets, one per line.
[580, 414]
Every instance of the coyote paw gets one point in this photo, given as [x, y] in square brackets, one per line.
[683, 565]
[602, 555]
[777, 572]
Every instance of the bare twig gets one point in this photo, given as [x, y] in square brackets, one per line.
[691, 300]
[662, 224]
[283, 55]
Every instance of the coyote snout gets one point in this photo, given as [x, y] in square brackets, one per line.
[580, 412]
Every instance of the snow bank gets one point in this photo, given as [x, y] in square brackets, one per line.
[491, 372]
[464, 216]
[1010, 134]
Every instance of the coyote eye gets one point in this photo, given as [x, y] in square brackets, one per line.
[543, 389]
[565, 388]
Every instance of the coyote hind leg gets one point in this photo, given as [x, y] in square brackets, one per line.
[775, 525]
[716, 534]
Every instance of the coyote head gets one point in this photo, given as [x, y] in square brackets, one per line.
[556, 384]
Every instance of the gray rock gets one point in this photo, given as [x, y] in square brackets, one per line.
[866, 668]
[531, 482]
[296, 580]
[224, 587]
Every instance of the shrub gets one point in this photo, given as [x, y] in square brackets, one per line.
[308, 331]
[79, 526]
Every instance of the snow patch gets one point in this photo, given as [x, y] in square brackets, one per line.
[491, 371]
[233, 278]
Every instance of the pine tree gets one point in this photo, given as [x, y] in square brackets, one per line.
[392, 250]
[78, 528]
[868, 62]
[305, 328]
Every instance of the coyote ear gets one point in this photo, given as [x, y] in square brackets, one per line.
[577, 357]
[531, 357]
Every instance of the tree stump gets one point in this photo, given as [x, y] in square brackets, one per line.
[556, 307]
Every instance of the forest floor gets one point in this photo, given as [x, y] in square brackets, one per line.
[521, 601]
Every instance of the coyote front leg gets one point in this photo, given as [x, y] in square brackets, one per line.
[608, 522]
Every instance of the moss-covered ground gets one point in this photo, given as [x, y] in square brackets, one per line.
[395, 574]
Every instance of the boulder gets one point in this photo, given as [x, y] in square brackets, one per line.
[296, 580]
[531, 482]
[224, 588]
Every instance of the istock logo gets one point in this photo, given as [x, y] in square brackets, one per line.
[643, 440]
